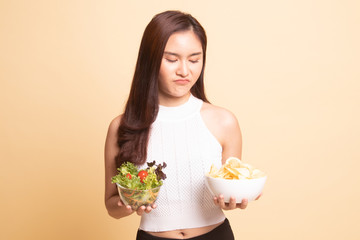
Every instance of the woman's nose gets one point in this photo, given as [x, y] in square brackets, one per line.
[183, 69]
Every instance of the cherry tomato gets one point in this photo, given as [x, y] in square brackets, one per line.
[142, 175]
[128, 176]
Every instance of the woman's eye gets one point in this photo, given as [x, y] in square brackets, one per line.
[171, 60]
[194, 61]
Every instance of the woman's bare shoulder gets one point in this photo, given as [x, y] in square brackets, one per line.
[218, 115]
[224, 125]
[115, 123]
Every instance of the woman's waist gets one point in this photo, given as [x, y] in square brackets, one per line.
[173, 219]
[185, 233]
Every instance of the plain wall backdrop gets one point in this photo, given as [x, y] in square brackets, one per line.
[289, 71]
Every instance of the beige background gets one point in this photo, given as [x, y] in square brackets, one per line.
[289, 70]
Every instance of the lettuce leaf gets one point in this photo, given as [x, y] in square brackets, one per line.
[153, 180]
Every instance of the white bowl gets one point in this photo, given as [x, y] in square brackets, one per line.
[238, 188]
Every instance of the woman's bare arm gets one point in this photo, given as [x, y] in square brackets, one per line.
[114, 206]
[225, 127]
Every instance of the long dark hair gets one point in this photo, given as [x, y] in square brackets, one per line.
[142, 106]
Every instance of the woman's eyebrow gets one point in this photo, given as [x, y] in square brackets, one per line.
[177, 55]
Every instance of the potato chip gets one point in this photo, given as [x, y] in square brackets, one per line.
[233, 162]
[234, 168]
[233, 171]
[245, 172]
[248, 166]
[213, 170]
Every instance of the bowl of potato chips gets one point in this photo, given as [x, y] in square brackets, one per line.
[235, 179]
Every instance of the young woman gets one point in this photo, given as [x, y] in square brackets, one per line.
[167, 118]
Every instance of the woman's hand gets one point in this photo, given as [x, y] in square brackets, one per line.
[145, 209]
[127, 208]
[219, 201]
[140, 211]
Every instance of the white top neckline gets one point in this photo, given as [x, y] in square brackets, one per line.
[185, 110]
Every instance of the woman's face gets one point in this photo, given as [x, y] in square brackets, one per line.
[180, 68]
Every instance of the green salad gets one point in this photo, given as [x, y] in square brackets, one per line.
[129, 176]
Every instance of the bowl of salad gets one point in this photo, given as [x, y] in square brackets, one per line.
[138, 187]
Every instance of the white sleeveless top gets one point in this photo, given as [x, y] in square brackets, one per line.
[180, 138]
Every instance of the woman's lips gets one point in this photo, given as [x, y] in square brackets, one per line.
[182, 81]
